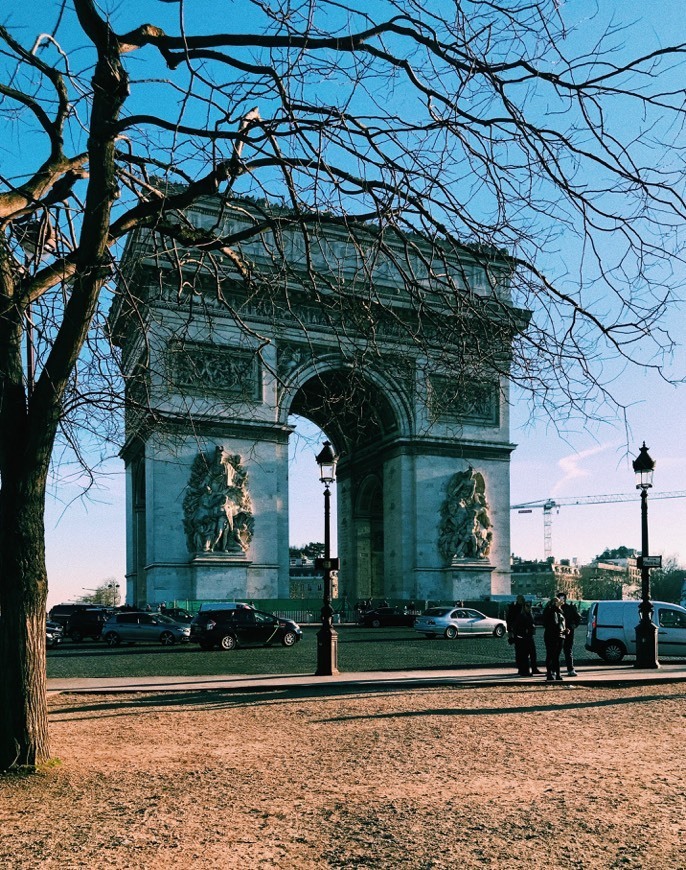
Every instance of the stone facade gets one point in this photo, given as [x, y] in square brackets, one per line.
[423, 476]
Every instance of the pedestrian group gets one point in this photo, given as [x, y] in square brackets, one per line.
[560, 620]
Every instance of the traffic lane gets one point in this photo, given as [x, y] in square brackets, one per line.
[408, 648]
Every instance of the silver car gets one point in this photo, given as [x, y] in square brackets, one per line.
[133, 626]
[452, 622]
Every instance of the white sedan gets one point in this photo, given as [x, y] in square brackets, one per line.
[451, 622]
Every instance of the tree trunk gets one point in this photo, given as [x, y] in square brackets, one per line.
[23, 592]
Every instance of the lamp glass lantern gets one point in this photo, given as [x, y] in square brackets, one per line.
[326, 460]
[644, 466]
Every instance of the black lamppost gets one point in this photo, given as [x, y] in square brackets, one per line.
[646, 630]
[115, 592]
[327, 638]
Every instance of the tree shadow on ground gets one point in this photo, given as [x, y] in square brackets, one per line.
[213, 700]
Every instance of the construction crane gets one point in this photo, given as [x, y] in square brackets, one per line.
[549, 504]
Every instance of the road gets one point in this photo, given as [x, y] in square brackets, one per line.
[359, 649]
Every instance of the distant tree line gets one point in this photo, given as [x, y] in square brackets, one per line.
[312, 550]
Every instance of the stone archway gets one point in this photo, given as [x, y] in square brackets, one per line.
[217, 371]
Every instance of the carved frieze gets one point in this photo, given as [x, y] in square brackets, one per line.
[207, 369]
[471, 402]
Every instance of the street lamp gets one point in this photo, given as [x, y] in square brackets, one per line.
[646, 630]
[115, 593]
[327, 638]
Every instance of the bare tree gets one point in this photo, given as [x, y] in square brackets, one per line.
[105, 593]
[442, 125]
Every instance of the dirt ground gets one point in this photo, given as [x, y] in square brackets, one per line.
[503, 777]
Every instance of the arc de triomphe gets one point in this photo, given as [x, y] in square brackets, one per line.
[213, 371]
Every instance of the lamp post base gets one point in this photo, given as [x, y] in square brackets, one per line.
[327, 652]
[646, 645]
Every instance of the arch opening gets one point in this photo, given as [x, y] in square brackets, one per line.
[352, 410]
[356, 416]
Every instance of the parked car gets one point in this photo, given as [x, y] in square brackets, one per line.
[53, 633]
[80, 621]
[451, 622]
[611, 629]
[178, 614]
[136, 626]
[242, 626]
[382, 616]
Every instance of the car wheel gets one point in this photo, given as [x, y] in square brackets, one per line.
[613, 652]
[289, 638]
[430, 635]
[228, 642]
[167, 638]
[451, 632]
[499, 631]
[376, 623]
[76, 635]
[112, 638]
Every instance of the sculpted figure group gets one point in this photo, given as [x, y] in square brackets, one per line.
[217, 509]
[465, 530]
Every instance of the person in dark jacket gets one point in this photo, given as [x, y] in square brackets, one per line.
[512, 615]
[531, 654]
[524, 630]
[554, 631]
[572, 621]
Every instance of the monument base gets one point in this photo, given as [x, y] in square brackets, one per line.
[220, 576]
[470, 579]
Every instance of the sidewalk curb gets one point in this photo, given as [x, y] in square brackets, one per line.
[617, 677]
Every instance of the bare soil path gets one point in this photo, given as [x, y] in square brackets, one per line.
[526, 776]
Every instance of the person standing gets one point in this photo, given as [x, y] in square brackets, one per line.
[572, 622]
[512, 615]
[554, 631]
[524, 630]
[513, 610]
[531, 656]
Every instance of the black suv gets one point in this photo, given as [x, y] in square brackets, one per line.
[80, 620]
[242, 627]
[386, 616]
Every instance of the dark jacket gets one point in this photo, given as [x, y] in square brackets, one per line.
[553, 622]
[523, 626]
[572, 618]
[514, 611]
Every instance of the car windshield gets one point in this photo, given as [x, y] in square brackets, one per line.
[165, 620]
[437, 611]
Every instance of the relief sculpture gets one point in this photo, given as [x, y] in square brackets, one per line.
[466, 529]
[218, 514]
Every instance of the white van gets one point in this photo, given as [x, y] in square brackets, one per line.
[611, 630]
